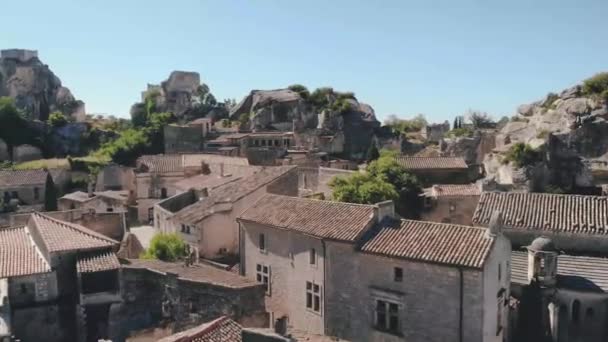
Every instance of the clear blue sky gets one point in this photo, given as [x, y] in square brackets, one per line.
[403, 57]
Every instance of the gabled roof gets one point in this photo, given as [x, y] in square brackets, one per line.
[424, 163]
[222, 329]
[322, 219]
[97, 261]
[441, 243]
[551, 212]
[19, 255]
[161, 162]
[22, 177]
[222, 196]
[444, 190]
[60, 236]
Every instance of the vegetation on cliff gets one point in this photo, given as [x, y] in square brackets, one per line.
[522, 155]
[597, 86]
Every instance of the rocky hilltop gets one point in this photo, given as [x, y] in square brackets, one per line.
[323, 112]
[182, 94]
[36, 89]
[562, 139]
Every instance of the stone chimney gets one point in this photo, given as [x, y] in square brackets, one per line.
[221, 169]
[385, 209]
[495, 226]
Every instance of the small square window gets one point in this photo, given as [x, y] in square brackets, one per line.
[398, 274]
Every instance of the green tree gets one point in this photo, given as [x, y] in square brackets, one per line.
[166, 247]
[372, 152]
[384, 180]
[57, 119]
[14, 129]
[50, 194]
[479, 119]
[406, 125]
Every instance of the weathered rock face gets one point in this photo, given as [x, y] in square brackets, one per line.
[570, 132]
[35, 88]
[182, 94]
[3, 151]
[472, 149]
[286, 110]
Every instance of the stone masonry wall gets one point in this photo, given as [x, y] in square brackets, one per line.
[428, 298]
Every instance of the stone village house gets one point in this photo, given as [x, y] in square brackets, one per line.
[155, 176]
[355, 272]
[560, 243]
[450, 203]
[59, 280]
[28, 186]
[206, 219]
[437, 170]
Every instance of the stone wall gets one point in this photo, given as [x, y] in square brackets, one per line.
[192, 303]
[451, 209]
[316, 180]
[180, 139]
[428, 298]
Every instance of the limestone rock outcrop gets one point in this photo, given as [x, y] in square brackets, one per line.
[569, 132]
[287, 110]
[36, 89]
[182, 94]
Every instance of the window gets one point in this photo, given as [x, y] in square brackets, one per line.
[36, 193]
[398, 274]
[263, 276]
[15, 194]
[499, 271]
[576, 311]
[313, 256]
[387, 317]
[183, 228]
[187, 229]
[262, 243]
[163, 193]
[499, 309]
[313, 296]
[110, 209]
[23, 289]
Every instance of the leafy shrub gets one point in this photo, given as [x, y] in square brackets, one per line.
[480, 119]
[522, 155]
[597, 84]
[300, 89]
[550, 101]
[166, 247]
[244, 118]
[406, 125]
[460, 132]
[543, 134]
[57, 119]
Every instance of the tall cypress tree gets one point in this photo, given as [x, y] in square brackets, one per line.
[50, 194]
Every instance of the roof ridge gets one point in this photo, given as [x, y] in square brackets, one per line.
[545, 194]
[320, 200]
[445, 224]
[77, 227]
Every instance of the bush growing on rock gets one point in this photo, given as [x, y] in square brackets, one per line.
[57, 119]
[300, 89]
[597, 85]
[522, 155]
[406, 125]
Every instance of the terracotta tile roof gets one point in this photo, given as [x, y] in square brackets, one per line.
[119, 195]
[323, 219]
[440, 190]
[441, 243]
[96, 262]
[423, 163]
[230, 193]
[19, 255]
[64, 236]
[537, 211]
[161, 163]
[574, 272]
[222, 329]
[9, 178]
[200, 273]
[213, 181]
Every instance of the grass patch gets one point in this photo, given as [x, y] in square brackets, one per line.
[59, 163]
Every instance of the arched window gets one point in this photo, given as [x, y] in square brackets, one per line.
[576, 311]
